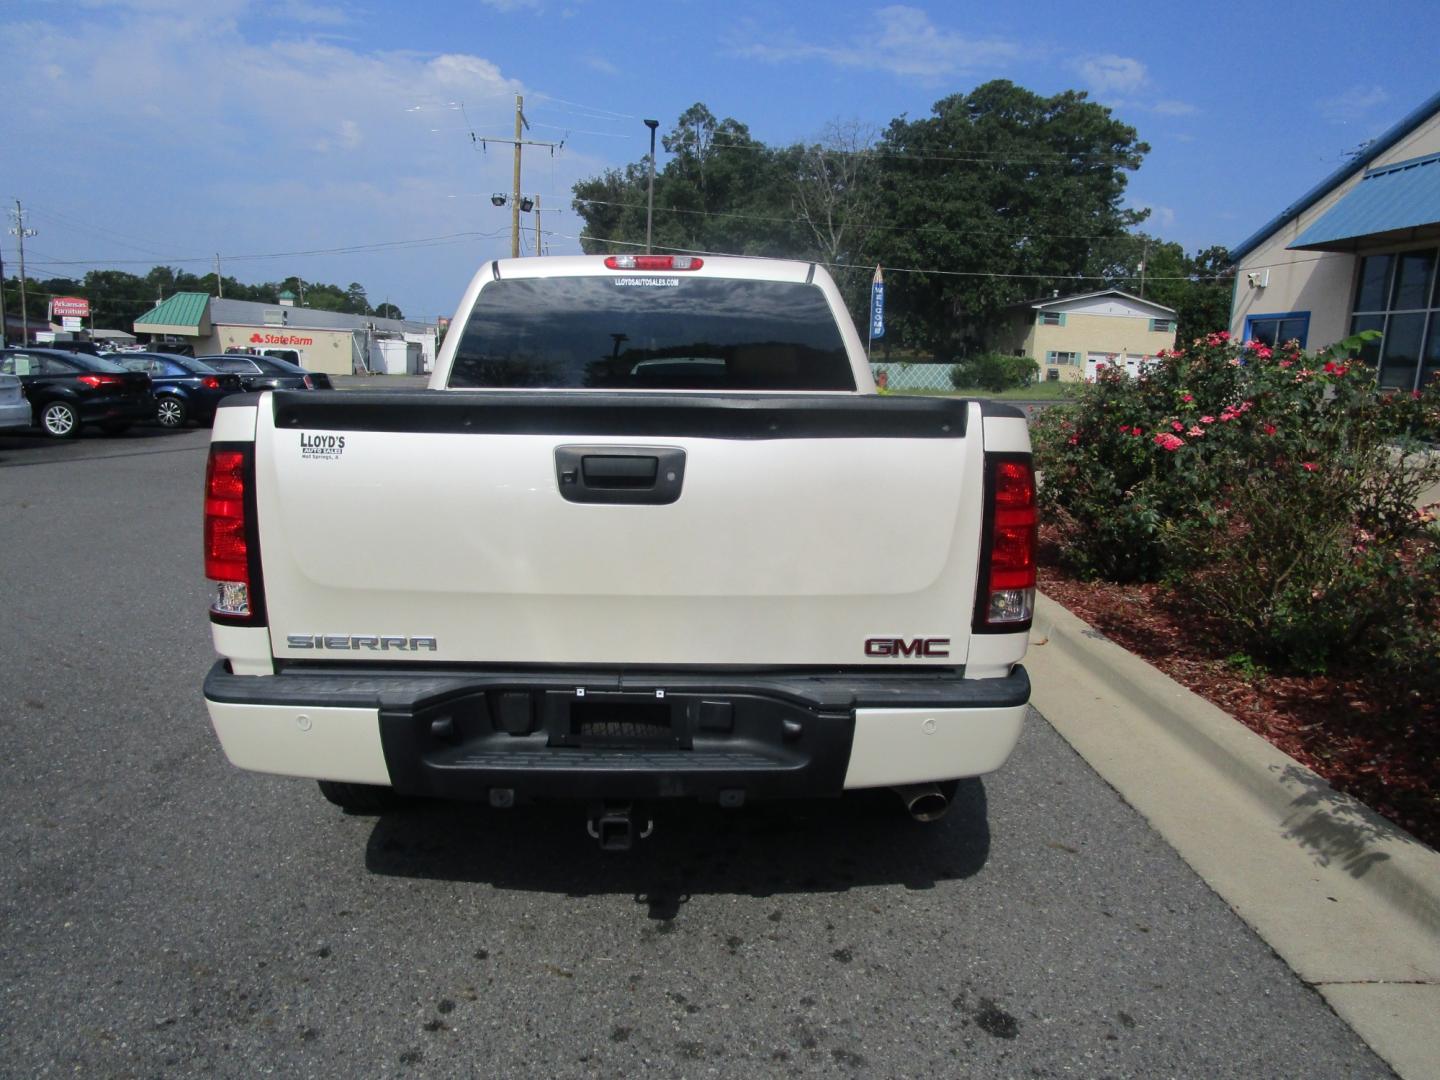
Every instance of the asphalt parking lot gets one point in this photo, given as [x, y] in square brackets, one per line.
[165, 913]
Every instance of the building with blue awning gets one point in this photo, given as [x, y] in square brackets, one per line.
[1359, 251]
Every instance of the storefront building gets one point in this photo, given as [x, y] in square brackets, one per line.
[1359, 251]
[330, 341]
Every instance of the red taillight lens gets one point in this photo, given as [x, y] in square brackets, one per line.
[654, 262]
[96, 382]
[1010, 576]
[227, 556]
[210, 382]
[309, 384]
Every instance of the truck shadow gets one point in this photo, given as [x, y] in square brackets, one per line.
[765, 850]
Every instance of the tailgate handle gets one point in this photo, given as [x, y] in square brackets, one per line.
[638, 475]
[619, 470]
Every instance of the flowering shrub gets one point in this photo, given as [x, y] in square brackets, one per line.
[1276, 490]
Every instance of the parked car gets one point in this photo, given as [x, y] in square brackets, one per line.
[268, 372]
[178, 348]
[185, 388]
[14, 409]
[67, 390]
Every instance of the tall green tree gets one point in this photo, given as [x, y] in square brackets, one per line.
[998, 195]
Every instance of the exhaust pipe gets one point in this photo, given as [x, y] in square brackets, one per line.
[924, 802]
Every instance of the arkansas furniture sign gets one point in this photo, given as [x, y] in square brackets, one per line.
[75, 307]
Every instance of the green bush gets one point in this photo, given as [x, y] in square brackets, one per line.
[1274, 490]
[993, 372]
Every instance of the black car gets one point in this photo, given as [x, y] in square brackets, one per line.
[67, 390]
[268, 372]
[185, 388]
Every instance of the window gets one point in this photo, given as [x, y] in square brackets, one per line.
[1062, 358]
[672, 333]
[1050, 318]
[1399, 295]
[1275, 330]
[1162, 326]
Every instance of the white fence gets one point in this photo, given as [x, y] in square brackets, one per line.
[914, 376]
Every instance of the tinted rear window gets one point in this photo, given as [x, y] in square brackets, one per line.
[94, 363]
[651, 333]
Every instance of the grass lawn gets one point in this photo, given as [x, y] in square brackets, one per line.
[1043, 391]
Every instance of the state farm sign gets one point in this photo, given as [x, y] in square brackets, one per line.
[280, 339]
[76, 307]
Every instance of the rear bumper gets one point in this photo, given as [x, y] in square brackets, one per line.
[588, 735]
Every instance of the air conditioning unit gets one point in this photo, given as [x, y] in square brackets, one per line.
[1258, 279]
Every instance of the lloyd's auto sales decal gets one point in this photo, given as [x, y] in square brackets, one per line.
[321, 447]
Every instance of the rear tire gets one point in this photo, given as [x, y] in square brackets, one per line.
[171, 412]
[59, 420]
[361, 798]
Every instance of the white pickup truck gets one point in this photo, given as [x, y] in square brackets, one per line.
[651, 533]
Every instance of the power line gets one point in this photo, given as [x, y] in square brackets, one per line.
[978, 157]
[385, 245]
[885, 228]
[900, 269]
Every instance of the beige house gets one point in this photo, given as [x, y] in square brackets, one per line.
[1072, 337]
[1356, 252]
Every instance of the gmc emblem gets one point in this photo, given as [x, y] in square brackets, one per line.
[888, 646]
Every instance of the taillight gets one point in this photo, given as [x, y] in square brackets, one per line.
[654, 262]
[1007, 598]
[96, 382]
[309, 384]
[210, 382]
[227, 555]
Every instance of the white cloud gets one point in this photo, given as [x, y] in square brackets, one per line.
[310, 14]
[1352, 104]
[903, 41]
[600, 64]
[1107, 73]
[1170, 107]
[1164, 216]
[203, 114]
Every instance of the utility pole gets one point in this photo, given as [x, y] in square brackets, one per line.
[219, 282]
[20, 232]
[515, 195]
[650, 201]
[2, 301]
[537, 226]
[1144, 258]
[521, 126]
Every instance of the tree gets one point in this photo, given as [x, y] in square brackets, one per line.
[1001, 194]
[388, 310]
[834, 195]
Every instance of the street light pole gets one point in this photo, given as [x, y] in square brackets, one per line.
[650, 202]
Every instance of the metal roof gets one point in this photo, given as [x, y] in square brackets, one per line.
[1405, 195]
[252, 313]
[182, 309]
[1407, 124]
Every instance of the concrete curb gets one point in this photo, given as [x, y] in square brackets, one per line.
[1351, 902]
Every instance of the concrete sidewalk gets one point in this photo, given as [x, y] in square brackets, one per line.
[1348, 900]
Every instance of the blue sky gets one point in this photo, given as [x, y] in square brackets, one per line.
[146, 131]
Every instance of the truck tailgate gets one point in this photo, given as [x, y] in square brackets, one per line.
[433, 527]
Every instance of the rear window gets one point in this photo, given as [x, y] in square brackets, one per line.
[651, 333]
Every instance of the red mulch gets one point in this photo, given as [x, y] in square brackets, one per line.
[1377, 741]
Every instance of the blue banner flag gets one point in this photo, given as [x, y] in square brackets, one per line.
[877, 305]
